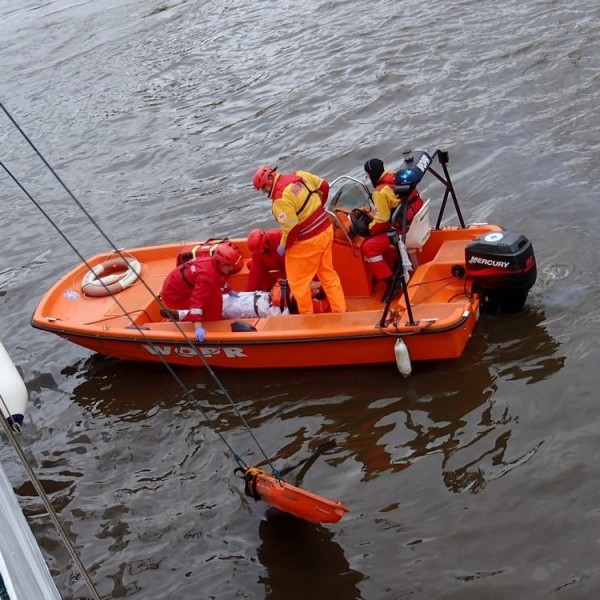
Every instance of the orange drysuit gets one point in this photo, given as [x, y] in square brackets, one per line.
[266, 266]
[196, 285]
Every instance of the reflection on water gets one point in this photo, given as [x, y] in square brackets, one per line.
[375, 417]
[303, 561]
[132, 392]
[455, 417]
[519, 347]
[156, 120]
[473, 430]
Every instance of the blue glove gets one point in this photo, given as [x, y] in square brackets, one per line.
[200, 333]
[233, 294]
[280, 250]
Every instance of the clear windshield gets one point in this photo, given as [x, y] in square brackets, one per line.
[348, 193]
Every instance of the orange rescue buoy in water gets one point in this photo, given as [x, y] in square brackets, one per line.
[292, 499]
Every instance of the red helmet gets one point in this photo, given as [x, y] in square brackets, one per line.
[256, 240]
[227, 254]
[263, 177]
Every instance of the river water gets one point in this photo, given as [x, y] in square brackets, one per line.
[475, 478]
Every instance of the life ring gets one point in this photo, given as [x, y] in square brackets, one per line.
[127, 272]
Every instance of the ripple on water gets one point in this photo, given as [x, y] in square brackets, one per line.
[156, 120]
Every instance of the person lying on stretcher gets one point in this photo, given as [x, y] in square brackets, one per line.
[259, 304]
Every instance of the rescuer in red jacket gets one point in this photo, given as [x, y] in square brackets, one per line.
[307, 234]
[375, 248]
[198, 285]
[267, 266]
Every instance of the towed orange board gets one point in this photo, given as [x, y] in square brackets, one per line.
[292, 499]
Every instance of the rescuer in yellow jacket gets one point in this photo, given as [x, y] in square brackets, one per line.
[307, 235]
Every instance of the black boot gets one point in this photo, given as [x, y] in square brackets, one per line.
[169, 314]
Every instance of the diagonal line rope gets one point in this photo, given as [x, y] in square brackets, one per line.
[188, 393]
[186, 390]
[50, 509]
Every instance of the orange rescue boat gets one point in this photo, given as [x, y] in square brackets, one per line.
[458, 270]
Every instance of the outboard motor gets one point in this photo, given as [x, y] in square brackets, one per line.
[502, 267]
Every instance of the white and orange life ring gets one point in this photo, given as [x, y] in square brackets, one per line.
[96, 284]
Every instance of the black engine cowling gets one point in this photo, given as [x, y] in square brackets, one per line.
[502, 267]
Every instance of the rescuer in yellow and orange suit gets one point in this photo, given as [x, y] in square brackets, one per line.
[307, 234]
[376, 245]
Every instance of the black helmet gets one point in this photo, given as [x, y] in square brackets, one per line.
[374, 169]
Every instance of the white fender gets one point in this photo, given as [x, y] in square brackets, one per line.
[13, 393]
[402, 358]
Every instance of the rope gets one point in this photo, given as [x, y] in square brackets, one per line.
[50, 509]
[185, 389]
[188, 393]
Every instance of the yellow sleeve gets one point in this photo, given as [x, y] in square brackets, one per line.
[385, 202]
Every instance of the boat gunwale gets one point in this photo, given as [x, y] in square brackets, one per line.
[246, 337]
